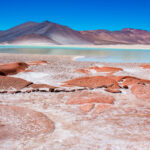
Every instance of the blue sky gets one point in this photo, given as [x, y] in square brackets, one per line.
[78, 14]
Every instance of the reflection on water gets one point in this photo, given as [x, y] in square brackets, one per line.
[99, 55]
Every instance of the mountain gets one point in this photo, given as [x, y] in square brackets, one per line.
[52, 31]
[125, 36]
[1, 32]
[55, 34]
[33, 38]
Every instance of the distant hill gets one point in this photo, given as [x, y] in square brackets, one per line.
[52, 33]
[125, 36]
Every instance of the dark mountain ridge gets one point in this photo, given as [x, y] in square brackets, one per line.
[52, 33]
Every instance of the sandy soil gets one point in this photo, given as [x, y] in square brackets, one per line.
[122, 123]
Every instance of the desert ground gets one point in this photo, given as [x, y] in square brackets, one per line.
[57, 103]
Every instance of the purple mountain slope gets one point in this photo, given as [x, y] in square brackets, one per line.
[52, 33]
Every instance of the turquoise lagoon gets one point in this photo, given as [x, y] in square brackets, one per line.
[91, 54]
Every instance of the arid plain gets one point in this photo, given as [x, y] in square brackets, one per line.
[55, 102]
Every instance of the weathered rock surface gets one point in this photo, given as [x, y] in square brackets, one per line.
[141, 91]
[88, 100]
[17, 122]
[12, 84]
[90, 97]
[94, 82]
[12, 68]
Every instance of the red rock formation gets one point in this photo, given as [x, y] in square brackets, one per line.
[145, 66]
[11, 83]
[117, 78]
[94, 82]
[130, 81]
[141, 91]
[17, 122]
[37, 86]
[112, 90]
[90, 97]
[12, 68]
[111, 83]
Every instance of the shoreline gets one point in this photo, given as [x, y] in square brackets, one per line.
[40, 45]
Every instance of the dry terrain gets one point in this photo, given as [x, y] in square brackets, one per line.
[56, 103]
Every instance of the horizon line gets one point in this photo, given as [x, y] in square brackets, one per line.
[75, 29]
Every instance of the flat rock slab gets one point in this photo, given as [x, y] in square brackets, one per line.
[12, 68]
[11, 83]
[90, 97]
[16, 122]
[87, 101]
[141, 91]
[94, 82]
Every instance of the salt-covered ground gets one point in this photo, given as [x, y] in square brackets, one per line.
[111, 121]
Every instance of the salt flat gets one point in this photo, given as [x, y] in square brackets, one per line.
[95, 106]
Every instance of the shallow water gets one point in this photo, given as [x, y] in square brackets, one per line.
[93, 55]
